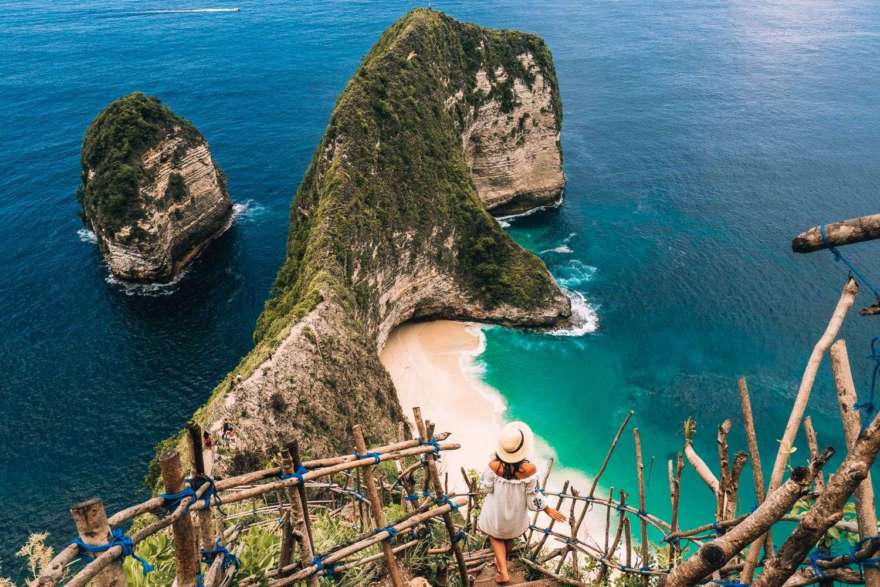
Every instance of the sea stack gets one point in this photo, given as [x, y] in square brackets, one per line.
[150, 191]
[388, 226]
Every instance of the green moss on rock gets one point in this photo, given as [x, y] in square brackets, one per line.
[111, 157]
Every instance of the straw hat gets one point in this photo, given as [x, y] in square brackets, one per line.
[515, 442]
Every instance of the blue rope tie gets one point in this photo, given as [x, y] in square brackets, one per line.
[432, 442]
[196, 483]
[838, 256]
[538, 529]
[444, 500]
[117, 538]
[392, 532]
[867, 408]
[298, 474]
[172, 500]
[418, 495]
[815, 557]
[377, 457]
[731, 584]
[459, 536]
[329, 569]
[229, 559]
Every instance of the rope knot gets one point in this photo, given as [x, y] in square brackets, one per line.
[377, 458]
[125, 544]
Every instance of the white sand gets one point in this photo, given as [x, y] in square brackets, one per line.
[433, 366]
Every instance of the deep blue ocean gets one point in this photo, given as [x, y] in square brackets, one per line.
[698, 137]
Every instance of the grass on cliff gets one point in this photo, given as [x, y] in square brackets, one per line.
[403, 184]
[112, 148]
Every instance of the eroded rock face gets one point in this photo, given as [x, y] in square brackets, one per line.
[388, 226]
[514, 156]
[151, 191]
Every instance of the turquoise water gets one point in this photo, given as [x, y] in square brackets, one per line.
[698, 137]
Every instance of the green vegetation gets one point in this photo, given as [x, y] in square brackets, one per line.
[112, 148]
[404, 173]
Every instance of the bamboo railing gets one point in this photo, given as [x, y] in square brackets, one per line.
[726, 550]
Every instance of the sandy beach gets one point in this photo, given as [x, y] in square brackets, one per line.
[433, 366]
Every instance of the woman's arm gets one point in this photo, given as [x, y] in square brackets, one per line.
[537, 502]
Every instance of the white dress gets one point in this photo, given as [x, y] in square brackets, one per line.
[505, 512]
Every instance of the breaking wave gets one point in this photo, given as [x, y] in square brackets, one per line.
[87, 236]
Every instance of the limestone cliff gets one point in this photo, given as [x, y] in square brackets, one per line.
[387, 226]
[150, 190]
[511, 139]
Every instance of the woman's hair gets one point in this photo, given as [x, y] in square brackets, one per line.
[510, 469]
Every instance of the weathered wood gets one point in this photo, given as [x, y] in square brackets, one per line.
[294, 523]
[595, 483]
[847, 399]
[550, 464]
[739, 463]
[845, 232]
[713, 555]
[373, 539]
[185, 549]
[90, 519]
[675, 489]
[827, 509]
[643, 524]
[434, 478]
[721, 496]
[555, 576]
[610, 550]
[847, 297]
[701, 467]
[308, 543]
[206, 531]
[376, 509]
[560, 500]
[757, 477]
[813, 446]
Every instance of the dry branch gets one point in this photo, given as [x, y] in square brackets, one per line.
[845, 232]
[826, 511]
[715, 554]
[852, 425]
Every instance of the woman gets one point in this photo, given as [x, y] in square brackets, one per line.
[511, 486]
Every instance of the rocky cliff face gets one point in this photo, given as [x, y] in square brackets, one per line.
[150, 190]
[388, 226]
[512, 144]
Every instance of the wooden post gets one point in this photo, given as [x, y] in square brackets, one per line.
[550, 464]
[560, 500]
[438, 489]
[376, 507]
[307, 550]
[713, 555]
[813, 446]
[203, 517]
[758, 478]
[291, 516]
[852, 426]
[185, 550]
[640, 470]
[675, 487]
[847, 297]
[827, 509]
[93, 528]
[844, 303]
[701, 467]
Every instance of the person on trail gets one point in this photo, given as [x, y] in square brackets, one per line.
[511, 486]
[228, 431]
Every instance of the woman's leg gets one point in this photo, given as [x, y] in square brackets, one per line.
[499, 549]
[508, 547]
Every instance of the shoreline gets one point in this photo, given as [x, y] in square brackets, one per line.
[433, 365]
